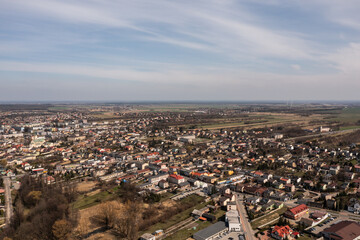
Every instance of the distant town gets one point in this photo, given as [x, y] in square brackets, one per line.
[180, 171]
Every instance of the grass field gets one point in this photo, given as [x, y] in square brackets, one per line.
[267, 218]
[349, 127]
[181, 107]
[166, 196]
[250, 125]
[180, 216]
[88, 201]
[189, 231]
[346, 115]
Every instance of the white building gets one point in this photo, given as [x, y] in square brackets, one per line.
[233, 219]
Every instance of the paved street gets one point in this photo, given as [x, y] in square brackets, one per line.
[249, 232]
[8, 201]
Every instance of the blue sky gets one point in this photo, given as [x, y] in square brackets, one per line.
[179, 50]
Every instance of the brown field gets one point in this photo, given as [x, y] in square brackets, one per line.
[86, 227]
[86, 186]
[269, 120]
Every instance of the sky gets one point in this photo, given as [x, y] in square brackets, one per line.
[179, 50]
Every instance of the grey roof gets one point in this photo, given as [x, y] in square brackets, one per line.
[210, 231]
[147, 236]
[159, 175]
[184, 184]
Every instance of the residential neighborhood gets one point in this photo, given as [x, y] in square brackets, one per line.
[254, 183]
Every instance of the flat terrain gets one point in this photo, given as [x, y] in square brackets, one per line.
[86, 186]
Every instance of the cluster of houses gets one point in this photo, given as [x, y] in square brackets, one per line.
[72, 145]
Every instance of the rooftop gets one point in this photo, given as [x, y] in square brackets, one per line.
[211, 230]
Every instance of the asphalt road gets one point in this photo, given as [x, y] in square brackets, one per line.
[8, 201]
[245, 223]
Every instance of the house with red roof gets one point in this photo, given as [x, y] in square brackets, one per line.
[196, 174]
[258, 174]
[281, 232]
[177, 179]
[285, 180]
[296, 212]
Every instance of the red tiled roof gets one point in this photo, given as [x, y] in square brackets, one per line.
[282, 231]
[177, 177]
[298, 209]
[196, 174]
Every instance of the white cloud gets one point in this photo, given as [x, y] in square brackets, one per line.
[223, 26]
[346, 59]
[224, 29]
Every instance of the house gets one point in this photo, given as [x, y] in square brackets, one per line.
[231, 206]
[184, 186]
[344, 230]
[285, 180]
[268, 206]
[354, 206]
[177, 179]
[281, 232]
[252, 200]
[158, 178]
[147, 236]
[289, 187]
[49, 179]
[223, 201]
[163, 184]
[349, 175]
[296, 212]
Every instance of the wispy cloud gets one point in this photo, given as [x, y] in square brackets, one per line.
[206, 45]
[209, 24]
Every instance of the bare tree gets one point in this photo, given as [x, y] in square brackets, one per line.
[106, 216]
[128, 225]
